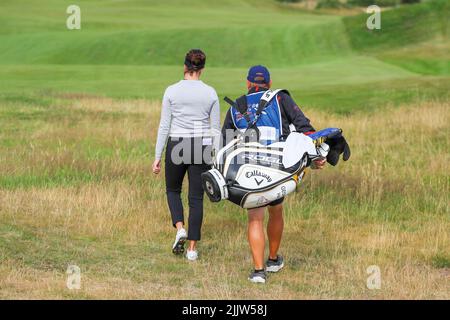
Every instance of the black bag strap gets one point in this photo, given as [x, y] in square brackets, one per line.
[240, 105]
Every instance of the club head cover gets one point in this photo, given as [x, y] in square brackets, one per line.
[338, 145]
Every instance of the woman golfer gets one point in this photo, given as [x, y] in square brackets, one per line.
[190, 117]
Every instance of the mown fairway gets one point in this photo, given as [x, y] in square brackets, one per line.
[79, 111]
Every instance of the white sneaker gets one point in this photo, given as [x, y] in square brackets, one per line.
[180, 239]
[192, 255]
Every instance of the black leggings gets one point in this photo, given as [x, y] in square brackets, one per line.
[175, 171]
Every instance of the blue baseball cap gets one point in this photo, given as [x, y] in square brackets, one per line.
[259, 74]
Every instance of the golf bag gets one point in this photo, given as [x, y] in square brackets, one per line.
[252, 175]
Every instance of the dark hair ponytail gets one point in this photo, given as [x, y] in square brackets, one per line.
[195, 60]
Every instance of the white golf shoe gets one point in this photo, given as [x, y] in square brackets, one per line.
[180, 240]
[192, 255]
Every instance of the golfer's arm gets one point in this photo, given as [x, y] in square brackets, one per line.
[164, 127]
[215, 117]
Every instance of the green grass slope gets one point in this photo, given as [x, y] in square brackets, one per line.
[130, 49]
[414, 37]
[233, 46]
[400, 27]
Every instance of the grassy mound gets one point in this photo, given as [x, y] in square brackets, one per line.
[400, 27]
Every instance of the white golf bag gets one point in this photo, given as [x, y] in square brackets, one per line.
[253, 175]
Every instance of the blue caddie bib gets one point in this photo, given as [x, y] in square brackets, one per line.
[269, 122]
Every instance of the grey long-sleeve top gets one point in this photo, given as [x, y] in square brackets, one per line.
[190, 108]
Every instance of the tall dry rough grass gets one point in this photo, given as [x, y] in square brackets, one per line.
[387, 206]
